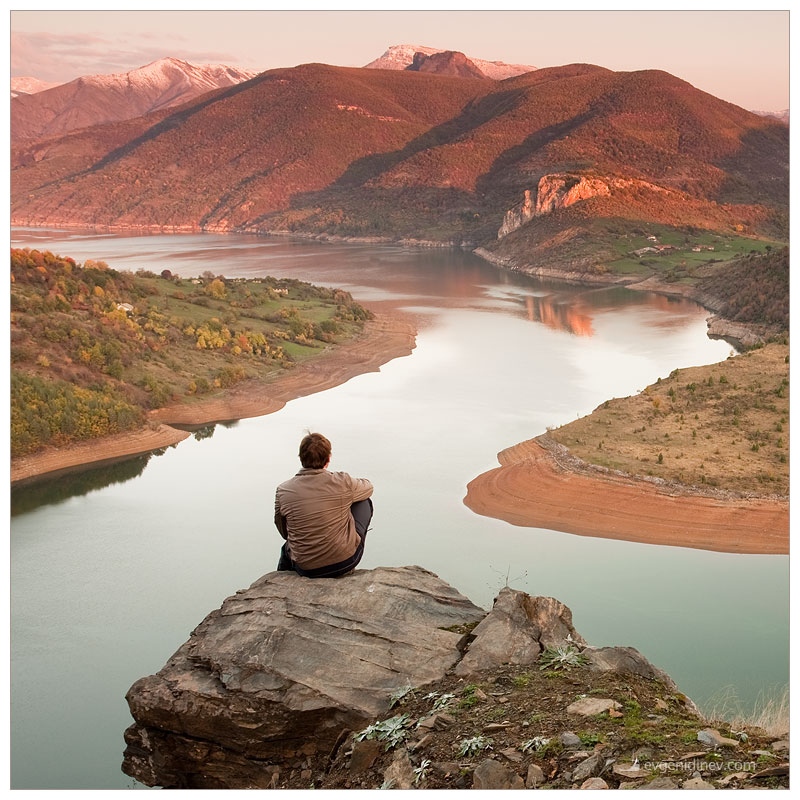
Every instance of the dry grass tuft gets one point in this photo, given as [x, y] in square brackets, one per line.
[770, 712]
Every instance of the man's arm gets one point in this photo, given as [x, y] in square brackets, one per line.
[280, 520]
[361, 488]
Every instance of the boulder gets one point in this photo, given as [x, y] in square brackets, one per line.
[400, 773]
[491, 775]
[283, 668]
[516, 631]
[713, 738]
[589, 767]
[591, 706]
[594, 783]
[535, 777]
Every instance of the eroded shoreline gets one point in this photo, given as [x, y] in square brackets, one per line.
[390, 335]
[531, 488]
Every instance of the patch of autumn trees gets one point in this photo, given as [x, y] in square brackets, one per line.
[93, 349]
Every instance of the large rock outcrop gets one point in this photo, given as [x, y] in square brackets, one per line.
[285, 669]
[561, 190]
[282, 668]
[448, 62]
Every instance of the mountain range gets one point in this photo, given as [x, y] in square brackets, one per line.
[530, 162]
[28, 85]
[96, 99]
[402, 56]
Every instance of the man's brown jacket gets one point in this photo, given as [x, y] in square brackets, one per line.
[312, 512]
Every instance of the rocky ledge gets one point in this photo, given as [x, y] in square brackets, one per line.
[391, 678]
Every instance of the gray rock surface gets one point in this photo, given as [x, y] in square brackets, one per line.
[400, 773]
[713, 738]
[282, 668]
[589, 767]
[516, 631]
[490, 774]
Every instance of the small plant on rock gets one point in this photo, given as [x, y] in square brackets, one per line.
[442, 701]
[390, 731]
[421, 772]
[561, 658]
[590, 739]
[473, 745]
[470, 697]
[401, 694]
[534, 745]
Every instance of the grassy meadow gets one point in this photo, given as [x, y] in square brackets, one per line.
[722, 426]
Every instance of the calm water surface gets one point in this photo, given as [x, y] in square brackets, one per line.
[111, 569]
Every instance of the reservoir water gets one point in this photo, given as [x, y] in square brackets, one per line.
[111, 569]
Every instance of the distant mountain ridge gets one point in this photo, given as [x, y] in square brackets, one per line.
[28, 85]
[783, 116]
[390, 155]
[401, 56]
[445, 63]
[99, 99]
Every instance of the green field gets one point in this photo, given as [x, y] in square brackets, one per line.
[685, 255]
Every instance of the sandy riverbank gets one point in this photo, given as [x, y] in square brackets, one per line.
[532, 488]
[390, 335]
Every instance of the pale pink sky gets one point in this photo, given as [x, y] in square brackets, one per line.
[739, 56]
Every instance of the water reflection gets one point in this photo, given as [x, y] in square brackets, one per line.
[42, 492]
[570, 317]
[206, 432]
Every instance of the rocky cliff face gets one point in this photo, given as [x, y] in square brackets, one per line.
[447, 62]
[561, 190]
[283, 672]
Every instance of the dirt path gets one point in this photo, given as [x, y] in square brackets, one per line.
[390, 335]
[531, 489]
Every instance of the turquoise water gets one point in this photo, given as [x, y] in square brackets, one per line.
[111, 570]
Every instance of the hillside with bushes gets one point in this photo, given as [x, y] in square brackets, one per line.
[94, 349]
[753, 288]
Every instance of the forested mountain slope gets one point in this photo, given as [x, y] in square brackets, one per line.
[329, 151]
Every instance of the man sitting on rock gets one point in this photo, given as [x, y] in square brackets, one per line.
[324, 516]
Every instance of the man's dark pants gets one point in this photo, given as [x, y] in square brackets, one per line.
[362, 514]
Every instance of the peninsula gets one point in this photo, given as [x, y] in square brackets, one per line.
[699, 459]
[245, 348]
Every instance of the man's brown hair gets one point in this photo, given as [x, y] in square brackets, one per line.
[315, 451]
